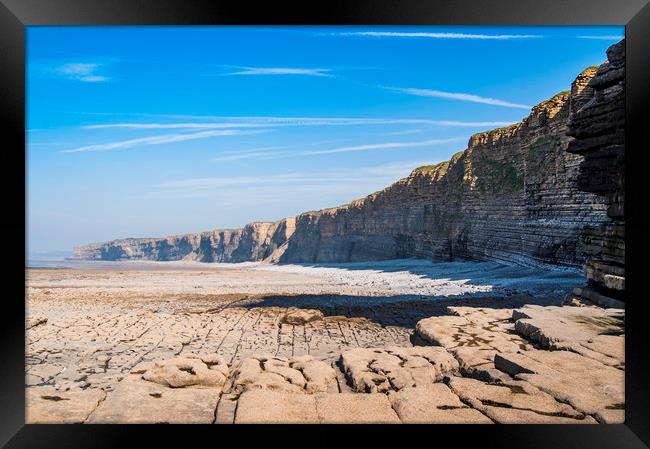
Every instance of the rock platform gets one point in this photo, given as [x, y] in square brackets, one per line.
[532, 364]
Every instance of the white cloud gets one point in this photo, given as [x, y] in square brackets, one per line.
[383, 146]
[266, 153]
[472, 124]
[261, 122]
[323, 182]
[82, 72]
[248, 155]
[456, 96]
[439, 35]
[605, 38]
[404, 132]
[176, 125]
[158, 140]
[281, 71]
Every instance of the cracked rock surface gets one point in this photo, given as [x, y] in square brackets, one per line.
[296, 375]
[140, 402]
[514, 402]
[100, 353]
[377, 370]
[590, 331]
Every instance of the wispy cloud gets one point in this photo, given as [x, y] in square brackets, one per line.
[82, 72]
[267, 155]
[456, 96]
[604, 38]
[158, 140]
[438, 35]
[281, 71]
[250, 155]
[472, 124]
[176, 125]
[383, 146]
[320, 181]
[405, 132]
[261, 122]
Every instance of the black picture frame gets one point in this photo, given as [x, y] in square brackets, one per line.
[15, 15]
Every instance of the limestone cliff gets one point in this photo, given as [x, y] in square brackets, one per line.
[514, 194]
[511, 195]
[598, 128]
[255, 241]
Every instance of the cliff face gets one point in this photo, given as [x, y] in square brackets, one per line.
[598, 128]
[516, 194]
[255, 241]
[511, 195]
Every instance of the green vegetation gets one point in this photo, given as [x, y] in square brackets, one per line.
[431, 168]
[497, 177]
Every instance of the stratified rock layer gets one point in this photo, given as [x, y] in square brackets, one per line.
[598, 128]
[516, 194]
[255, 241]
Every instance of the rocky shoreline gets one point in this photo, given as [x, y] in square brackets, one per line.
[99, 339]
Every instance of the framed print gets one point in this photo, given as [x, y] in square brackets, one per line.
[418, 214]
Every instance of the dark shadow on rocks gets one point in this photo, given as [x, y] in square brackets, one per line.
[503, 278]
[401, 310]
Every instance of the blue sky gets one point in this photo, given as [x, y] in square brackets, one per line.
[153, 131]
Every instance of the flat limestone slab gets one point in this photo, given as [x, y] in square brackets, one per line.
[138, 401]
[474, 335]
[434, 404]
[272, 407]
[355, 408]
[46, 405]
[379, 370]
[584, 383]
[515, 402]
[591, 331]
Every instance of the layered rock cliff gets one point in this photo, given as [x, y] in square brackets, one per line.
[598, 128]
[255, 241]
[511, 195]
[515, 194]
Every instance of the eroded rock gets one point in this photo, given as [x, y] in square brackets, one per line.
[268, 407]
[276, 407]
[379, 370]
[590, 331]
[434, 404]
[34, 321]
[474, 335]
[515, 402]
[47, 405]
[301, 316]
[204, 371]
[138, 401]
[586, 384]
[291, 375]
[352, 408]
